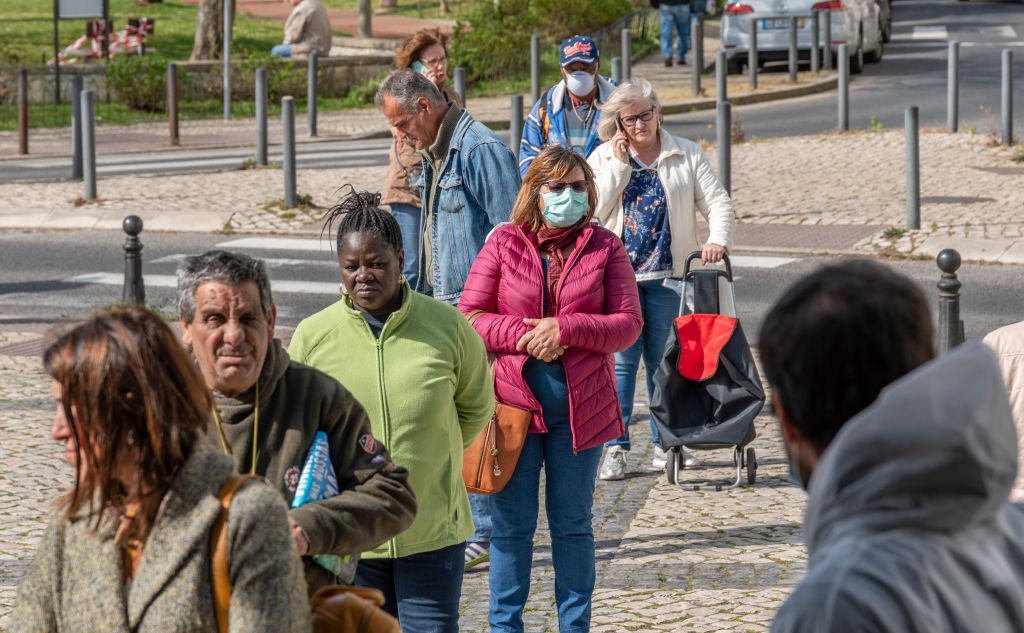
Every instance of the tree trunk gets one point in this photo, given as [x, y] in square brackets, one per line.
[209, 40]
[444, 7]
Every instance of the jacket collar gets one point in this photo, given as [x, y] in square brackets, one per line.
[392, 321]
[182, 526]
[669, 145]
[275, 365]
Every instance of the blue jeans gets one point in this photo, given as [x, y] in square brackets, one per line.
[281, 50]
[421, 590]
[659, 306]
[409, 218]
[569, 498]
[480, 505]
[675, 16]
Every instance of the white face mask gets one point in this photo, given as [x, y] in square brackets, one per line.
[580, 83]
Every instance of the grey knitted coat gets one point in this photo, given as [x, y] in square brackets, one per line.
[75, 583]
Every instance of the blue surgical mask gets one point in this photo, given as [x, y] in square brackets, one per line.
[580, 83]
[564, 208]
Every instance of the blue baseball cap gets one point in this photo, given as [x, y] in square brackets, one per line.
[578, 48]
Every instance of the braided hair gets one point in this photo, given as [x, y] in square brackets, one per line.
[360, 212]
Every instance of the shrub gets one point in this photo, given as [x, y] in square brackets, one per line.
[138, 82]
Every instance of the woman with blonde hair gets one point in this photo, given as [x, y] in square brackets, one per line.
[553, 297]
[130, 547]
[650, 187]
[426, 52]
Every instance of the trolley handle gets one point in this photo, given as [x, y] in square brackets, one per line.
[696, 255]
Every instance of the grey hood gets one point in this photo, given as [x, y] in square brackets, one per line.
[937, 451]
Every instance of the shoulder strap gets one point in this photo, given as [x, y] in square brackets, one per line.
[543, 118]
[219, 550]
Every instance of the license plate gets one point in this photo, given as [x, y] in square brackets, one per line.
[769, 24]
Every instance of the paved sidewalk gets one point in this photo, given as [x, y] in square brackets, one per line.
[668, 559]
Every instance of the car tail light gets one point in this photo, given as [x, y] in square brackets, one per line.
[737, 8]
[828, 5]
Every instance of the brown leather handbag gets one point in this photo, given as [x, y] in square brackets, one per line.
[334, 607]
[488, 464]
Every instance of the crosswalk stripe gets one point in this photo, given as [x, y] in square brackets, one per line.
[280, 243]
[753, 261]
[271, 262]
[171, 281]
[929, 33]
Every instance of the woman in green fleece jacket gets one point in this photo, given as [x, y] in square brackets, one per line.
[421, 372]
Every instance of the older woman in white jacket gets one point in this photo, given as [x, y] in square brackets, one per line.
[650, 186]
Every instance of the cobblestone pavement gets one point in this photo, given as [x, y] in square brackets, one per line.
[668, 559]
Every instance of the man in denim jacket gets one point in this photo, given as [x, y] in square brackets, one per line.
[470, 180]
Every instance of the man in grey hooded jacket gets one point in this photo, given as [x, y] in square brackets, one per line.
[908, 462]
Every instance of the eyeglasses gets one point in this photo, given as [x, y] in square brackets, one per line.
[434, 61]
[630, 121]
[556, 186]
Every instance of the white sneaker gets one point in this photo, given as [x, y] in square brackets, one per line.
[660, 459]
[689, 461]
[613, 466]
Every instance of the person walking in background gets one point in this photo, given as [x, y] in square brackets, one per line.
[307, 30]
[1008, 344]
[422, 373]
[268, 410]
[553, 297]
[568, 113]
[674, 16]
[908, 461]
[650, 187]
[468, 187]
[425, 52]
[129, 548]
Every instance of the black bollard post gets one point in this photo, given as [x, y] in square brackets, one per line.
[88, 145]
[913, 157]
[134, 290]
[951, 328]
[627, 53]
[459, 78]
[515, 127]
[827, 59]
[1007, 97]
[22, 111]
[76, 127]
[721, 77]
[815, 41]
[953, 87]
[752, 61]
[794, 58]
[617, 70]
[261, 116]
[723, 129]
[172, 104]
[288, 150]
[698, 54]
[311, 68]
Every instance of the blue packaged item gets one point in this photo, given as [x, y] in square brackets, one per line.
[317, 482]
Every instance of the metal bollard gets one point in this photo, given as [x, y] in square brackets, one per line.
[311, 92]
[793, 59]
[88, 146]
[227, 58]
[1007, 97]
[815, 42]
[951, 328]
[172, 103]
[22, 111]
[953, 87]
[913, 152]
[134, 292]
[617, 70]
[827, 48]
[261, 116]
[76, 127]
[724, 131]
[698, 54]
[721, 77]
[844, 89]
[534, 68]
[752, 55]
[288, 150]
[627, 53]
[460, 83]
[515, 126]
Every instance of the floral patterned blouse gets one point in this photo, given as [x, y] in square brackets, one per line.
[645, 229]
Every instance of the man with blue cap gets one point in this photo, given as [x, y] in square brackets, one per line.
[567, 114]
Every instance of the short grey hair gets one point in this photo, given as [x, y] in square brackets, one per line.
[628, 93]
[230, 269]
[405, 87]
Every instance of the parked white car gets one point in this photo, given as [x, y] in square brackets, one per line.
[857, 23]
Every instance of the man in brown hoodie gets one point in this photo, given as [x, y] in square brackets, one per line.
[268, 410]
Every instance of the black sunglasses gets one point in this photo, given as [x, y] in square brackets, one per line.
[556, 186]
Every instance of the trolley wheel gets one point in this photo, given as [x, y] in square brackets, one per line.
[751, 466]
[671, 459]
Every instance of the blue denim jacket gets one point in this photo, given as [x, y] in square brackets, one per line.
[477, 186]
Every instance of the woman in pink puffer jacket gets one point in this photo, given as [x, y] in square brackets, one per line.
[554, 297]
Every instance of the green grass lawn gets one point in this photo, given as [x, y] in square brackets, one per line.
[26, 29]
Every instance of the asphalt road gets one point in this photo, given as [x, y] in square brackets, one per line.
[912, 72]
[43, 277]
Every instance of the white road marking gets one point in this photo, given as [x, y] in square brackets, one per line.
[280, 243]
[170, 281]
[992, 44]
[271, 262]
[929, 33]
[751, 261]
[1005, 30]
